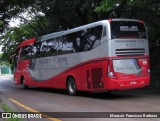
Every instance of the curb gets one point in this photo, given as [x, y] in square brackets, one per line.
[4, 99]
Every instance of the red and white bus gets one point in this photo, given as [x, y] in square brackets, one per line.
[103, 56]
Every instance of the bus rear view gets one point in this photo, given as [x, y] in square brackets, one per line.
[128, 66]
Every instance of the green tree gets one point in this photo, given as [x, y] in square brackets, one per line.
[44, 16]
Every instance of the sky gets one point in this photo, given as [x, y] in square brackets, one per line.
[14, 22]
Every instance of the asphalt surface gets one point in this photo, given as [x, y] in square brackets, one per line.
[53, 100]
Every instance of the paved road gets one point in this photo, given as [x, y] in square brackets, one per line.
[51, 100]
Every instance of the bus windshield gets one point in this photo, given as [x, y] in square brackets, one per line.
[127, 29]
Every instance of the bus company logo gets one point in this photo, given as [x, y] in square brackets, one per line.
[6, 115]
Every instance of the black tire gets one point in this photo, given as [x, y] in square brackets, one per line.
[71, 87]
[109, 92]
[24, 84]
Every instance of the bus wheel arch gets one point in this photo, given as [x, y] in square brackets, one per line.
[23, 82]
[71, 85]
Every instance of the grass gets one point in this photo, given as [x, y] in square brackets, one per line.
[6, 108]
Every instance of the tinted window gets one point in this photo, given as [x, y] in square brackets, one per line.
[85, 40]
[127, 29]
[79, 41]
[27, 52]
[55, 46]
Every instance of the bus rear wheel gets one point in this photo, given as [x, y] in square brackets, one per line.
[71, 87]
[24, 84]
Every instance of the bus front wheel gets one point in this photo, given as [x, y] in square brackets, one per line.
[71, 87]
[24, 84]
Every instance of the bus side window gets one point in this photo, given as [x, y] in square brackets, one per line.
[93, 38]
[44, 49]
[36, 49]
[86, 39]
[67, 44]
[26, 53]
[79, 40]
[74, 42]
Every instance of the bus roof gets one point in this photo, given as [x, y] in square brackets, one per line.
[26, 42]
